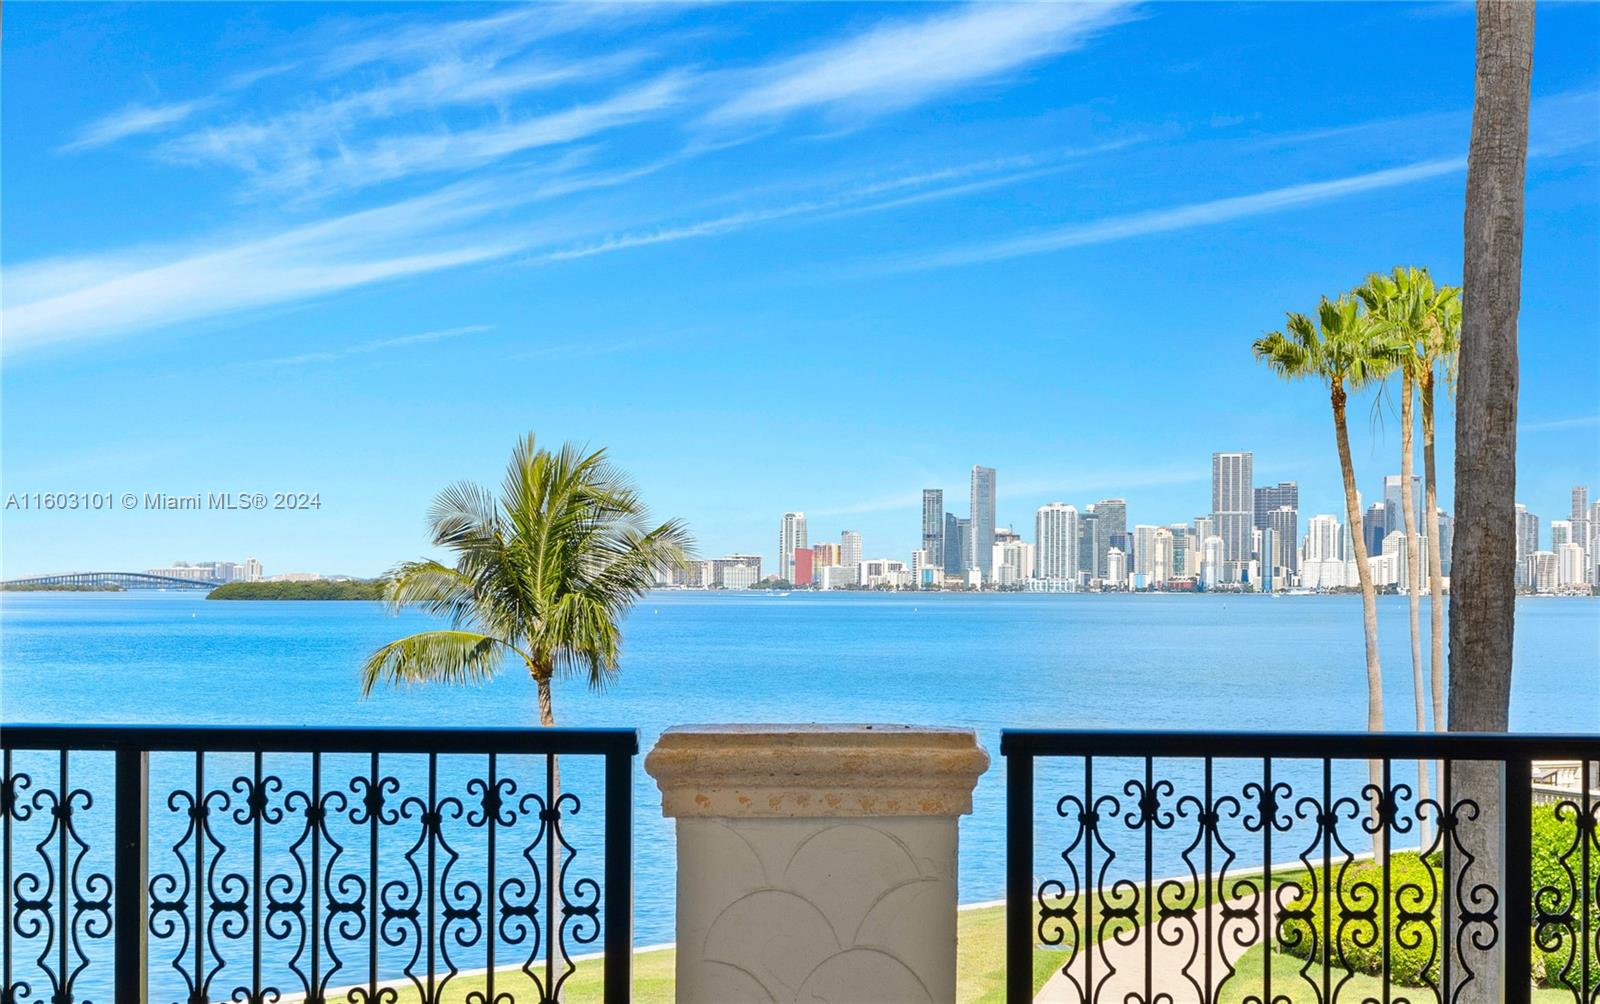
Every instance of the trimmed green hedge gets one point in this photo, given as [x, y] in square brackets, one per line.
[1359, 941]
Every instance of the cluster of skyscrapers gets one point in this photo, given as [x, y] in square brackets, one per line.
[212, 571]
[1251, 539]
[1569, 564]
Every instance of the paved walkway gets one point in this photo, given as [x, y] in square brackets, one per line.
[1166, 963]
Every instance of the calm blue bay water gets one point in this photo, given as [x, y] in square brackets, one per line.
[983, 662]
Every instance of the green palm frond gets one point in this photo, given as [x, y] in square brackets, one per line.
[439, 589]
[434, 657]
[547, 569]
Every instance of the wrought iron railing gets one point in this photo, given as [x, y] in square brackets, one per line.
[1149, 864]
[266, 864]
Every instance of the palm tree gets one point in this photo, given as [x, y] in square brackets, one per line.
[1405, 305]
[1345, 349]
[543, 573]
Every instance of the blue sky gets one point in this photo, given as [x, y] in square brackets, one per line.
[772, 256]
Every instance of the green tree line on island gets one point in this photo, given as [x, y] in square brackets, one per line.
[346, 589]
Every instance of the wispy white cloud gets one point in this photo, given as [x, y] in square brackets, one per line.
[902, 63]
[1199, 214]
[134, 120]
[873, 196]
[396, 156]
[377, 345]
[1559, 424]
[55, 301]
[313, 145]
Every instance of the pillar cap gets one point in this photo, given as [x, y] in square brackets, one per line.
[787, 771]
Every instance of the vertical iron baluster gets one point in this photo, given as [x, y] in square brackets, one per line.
[1019, 876]
[1385, 837]
[314, 820]
[1517, 784]
[1328, 818]
[553, 932]
[255, 882]
[1211, 891]
[132, 793]
[619, 874]
[373, 812]
[1091, 887]
[491, 814]
[64, 807]
[1149, 881]
[431, 820]
[5, 893]
[1268, 813]
[199, 810]
[1586, 881]
[1446, 818]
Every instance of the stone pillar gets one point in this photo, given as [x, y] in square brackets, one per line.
[816, 863]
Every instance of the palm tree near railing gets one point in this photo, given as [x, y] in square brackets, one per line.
[1405, 306]
[1346, 349]
[543, 573]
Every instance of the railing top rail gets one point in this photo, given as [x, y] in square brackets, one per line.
[1299, 745]
[281, 739]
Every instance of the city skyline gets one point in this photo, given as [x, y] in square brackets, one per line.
[263, 236]
[1096, 542]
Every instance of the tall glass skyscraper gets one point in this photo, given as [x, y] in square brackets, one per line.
[1056, 533]
[933, 526]
[980, 548]
[955, 543]
[1233, 508]
[791, 538]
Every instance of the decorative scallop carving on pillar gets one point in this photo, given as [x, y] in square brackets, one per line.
[816, 863]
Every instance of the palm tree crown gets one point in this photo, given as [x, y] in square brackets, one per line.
[1343, 346]
[543, 572]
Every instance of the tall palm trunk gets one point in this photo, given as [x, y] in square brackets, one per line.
[1482, 590]
[1430, 496]
[1408, 502]
[1430, 500]
[1369, 595]
[547, 714]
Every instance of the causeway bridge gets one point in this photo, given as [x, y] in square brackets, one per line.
[122, 580]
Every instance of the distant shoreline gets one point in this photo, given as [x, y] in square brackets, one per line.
[363, 589]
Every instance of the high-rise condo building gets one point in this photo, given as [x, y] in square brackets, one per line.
[1144, 551]
[1527, 542]
[1233, 508]
[825, 555]
[1560, 533]
[981, 547]
[1091, 560]
[1375, 527]
[791, 538]
[849, 548]
[956, 531]
[1110, 530]
[1447, 540]
[1284, 522]
[1324, 539]
[1394, 511]
[1580, 519]
[1116, 568]
[1570, 570]
[1162, 559]
[1056, 534]
[933, 526]
[1185, 562]
[804, 569]
[1271, 497]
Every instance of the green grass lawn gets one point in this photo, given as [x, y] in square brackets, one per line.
[980, 970]
[1286, 980]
